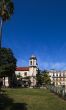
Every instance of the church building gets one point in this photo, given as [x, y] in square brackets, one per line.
[29, 71]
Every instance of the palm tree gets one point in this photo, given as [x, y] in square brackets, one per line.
[6, 10]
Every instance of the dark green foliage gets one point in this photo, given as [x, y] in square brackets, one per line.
[7, 62]
[42, 78]
[39, 78]
[6, 9]
[46, 78]
[18, 75]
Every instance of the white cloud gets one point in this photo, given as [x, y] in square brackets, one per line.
[44, 65]
[57, 65]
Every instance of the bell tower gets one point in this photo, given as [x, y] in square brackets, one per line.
[33, 68]
[33, 61]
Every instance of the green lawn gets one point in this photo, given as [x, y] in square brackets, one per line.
[30, 99]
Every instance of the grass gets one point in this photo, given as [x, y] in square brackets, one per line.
[30, 99]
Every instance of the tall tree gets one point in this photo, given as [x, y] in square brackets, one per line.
[46, 77]
[6, 10]
[39, 79]
[42, 78]
[8, 64]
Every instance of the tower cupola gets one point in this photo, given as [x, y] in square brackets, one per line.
[33, 61]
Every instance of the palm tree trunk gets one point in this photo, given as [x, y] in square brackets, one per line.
[0, 43]
[1, 23]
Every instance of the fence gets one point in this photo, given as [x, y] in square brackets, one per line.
[59, 90]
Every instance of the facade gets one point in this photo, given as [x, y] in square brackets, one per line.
[57, 77]
[29, 71]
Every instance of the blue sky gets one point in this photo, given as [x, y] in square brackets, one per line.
[38, 27]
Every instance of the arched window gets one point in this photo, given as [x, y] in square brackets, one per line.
[30, 62]
[57, 75]
[60, 74]
[63, 74]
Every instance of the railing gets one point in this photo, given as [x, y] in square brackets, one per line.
[59, 90]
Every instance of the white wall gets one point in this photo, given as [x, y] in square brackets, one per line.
[57, 77]
[32, 71]
[6, 82]
[22, 73]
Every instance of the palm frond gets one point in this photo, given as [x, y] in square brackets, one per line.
[6, 9]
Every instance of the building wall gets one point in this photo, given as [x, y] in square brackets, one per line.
[22, 73]
[32, 62]
[58, 77]
[32, 71]
[6, 82]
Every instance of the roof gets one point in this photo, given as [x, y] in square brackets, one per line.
[22, 68]
[33, 57]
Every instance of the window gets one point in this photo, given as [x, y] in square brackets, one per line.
[53, 75]
[30, 62]
[25, 74]
[57, 74]
[63, 74]
[60, 83]
[60, 75]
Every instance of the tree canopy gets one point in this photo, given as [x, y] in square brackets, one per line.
[42, 78]
[7, 62]
[39, 78]
[6, 9]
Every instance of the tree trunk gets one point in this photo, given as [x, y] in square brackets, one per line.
[10, 81]
[0, 42]
[1, 23]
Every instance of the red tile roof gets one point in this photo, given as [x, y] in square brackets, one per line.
[22, 68]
